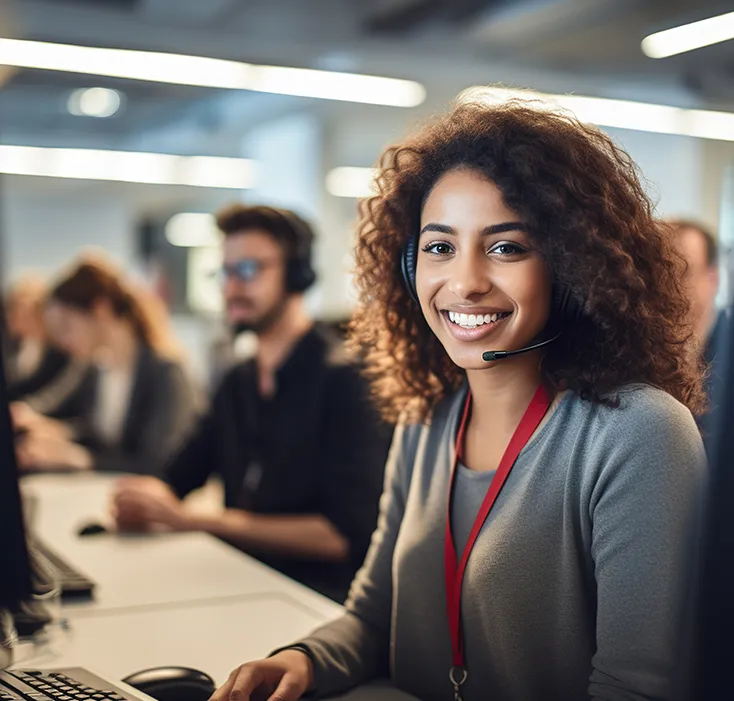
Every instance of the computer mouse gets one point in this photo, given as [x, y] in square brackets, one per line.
[91, 529]
[173, 683]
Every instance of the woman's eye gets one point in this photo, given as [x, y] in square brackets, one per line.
[507, 249]
[438, 248]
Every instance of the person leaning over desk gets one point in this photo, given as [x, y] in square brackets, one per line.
[39, 373]
[516, 229]
[291, 432]
[136, 404]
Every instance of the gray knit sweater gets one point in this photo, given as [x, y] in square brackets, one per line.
[574, 587]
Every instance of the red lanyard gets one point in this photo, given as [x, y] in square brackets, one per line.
[455, 573]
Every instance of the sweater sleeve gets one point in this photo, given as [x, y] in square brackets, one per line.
[355, 647]
[644, 510]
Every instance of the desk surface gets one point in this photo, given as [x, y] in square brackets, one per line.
[167, 599]
[213, 637]
[151, 569]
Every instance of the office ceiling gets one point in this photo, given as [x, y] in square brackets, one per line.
[419, 39]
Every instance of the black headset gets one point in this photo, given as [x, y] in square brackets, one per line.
[566, 309]
[299, 273]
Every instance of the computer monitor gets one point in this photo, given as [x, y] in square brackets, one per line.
[711, 639]
[15, 580]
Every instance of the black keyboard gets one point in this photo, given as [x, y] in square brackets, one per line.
[74, 584]
[73, 684]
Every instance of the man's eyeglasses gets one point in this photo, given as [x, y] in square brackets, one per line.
[245, 270]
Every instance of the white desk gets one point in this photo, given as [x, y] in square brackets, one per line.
[167, 599]
[146, 570]
[213, 637]
[165, 570]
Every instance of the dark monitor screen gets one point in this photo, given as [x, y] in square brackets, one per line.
[15, 578]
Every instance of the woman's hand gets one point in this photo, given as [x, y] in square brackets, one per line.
[28, 420]
[37, 450]
[283, 677]
[24, 418]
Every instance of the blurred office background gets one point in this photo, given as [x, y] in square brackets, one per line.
[286, 138]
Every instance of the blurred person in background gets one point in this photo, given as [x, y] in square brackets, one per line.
[139, 401]
[507, 227]
[39, 373]
[291, 432]
[698, 247]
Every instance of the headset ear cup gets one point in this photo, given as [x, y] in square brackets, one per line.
[408, 262]
[299, 275]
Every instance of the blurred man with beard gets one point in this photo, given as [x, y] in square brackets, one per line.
[291, 433]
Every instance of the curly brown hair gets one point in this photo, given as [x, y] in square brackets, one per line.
[584, 206]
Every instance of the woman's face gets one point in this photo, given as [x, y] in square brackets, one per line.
[479, 289]
[72, 330]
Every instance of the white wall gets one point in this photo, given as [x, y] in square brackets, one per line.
[44, 226]
[673, 167]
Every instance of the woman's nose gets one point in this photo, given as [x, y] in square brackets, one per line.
[469, 275]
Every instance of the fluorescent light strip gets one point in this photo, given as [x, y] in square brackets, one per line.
[127, 166]
[623, 114]
[211, 73]
[689, 37]
[348, 181]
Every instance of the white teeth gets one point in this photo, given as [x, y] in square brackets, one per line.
[471, 321]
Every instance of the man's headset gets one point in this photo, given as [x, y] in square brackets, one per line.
[299, 273]
[566, 310]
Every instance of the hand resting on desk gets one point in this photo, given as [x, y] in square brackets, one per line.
[282, 677]
[45, 444]
[140, 503]
[47, 452]
[287, 676]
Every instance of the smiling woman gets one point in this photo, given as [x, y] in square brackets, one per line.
[524, 318]
[582, 211]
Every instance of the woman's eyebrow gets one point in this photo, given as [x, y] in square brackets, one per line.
[486, 231]
[439, 229]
